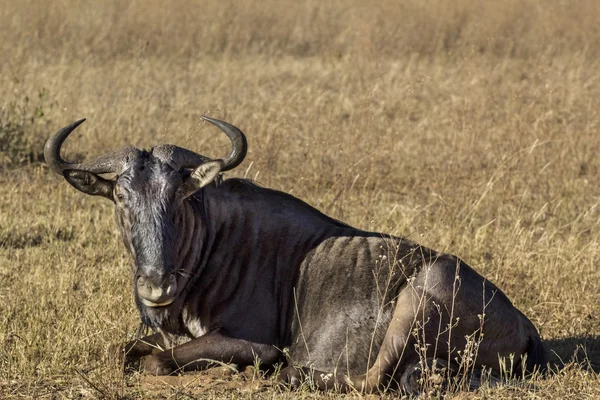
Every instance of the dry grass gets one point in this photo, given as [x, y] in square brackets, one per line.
[472, 127]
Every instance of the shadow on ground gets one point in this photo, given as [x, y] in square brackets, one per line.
[583, 350]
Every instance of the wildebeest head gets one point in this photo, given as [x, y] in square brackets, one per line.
[147, 191]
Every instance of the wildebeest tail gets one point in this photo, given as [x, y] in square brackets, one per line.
[537, 355]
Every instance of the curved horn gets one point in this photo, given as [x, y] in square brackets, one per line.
[238, 143]
[107, 163]
[185, 158]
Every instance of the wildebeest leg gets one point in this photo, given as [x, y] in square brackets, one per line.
[198, 353]
[397, 349]
[396, 352]
[457, 307]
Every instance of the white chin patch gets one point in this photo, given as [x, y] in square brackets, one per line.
[148, 303]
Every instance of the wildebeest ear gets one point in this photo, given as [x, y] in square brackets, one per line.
[201, 176]
[89, 183]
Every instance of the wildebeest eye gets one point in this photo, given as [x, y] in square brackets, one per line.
[120, 197]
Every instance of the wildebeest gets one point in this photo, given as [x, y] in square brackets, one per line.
[227, 270]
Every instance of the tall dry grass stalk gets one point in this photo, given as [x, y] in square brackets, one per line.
[467, 126]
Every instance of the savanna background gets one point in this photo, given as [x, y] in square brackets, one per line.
[471, 127]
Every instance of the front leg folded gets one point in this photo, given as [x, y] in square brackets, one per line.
[198, 353]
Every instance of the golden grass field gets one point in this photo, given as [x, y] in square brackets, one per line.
[470, 127]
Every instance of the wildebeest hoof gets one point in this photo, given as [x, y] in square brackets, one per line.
[290, 377]
[432, 378]
[153, 365]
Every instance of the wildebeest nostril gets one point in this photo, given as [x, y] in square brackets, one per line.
[149, 275]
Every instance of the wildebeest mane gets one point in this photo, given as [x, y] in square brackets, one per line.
[250, 187]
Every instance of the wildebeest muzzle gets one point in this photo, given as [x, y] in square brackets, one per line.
[155, 291]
